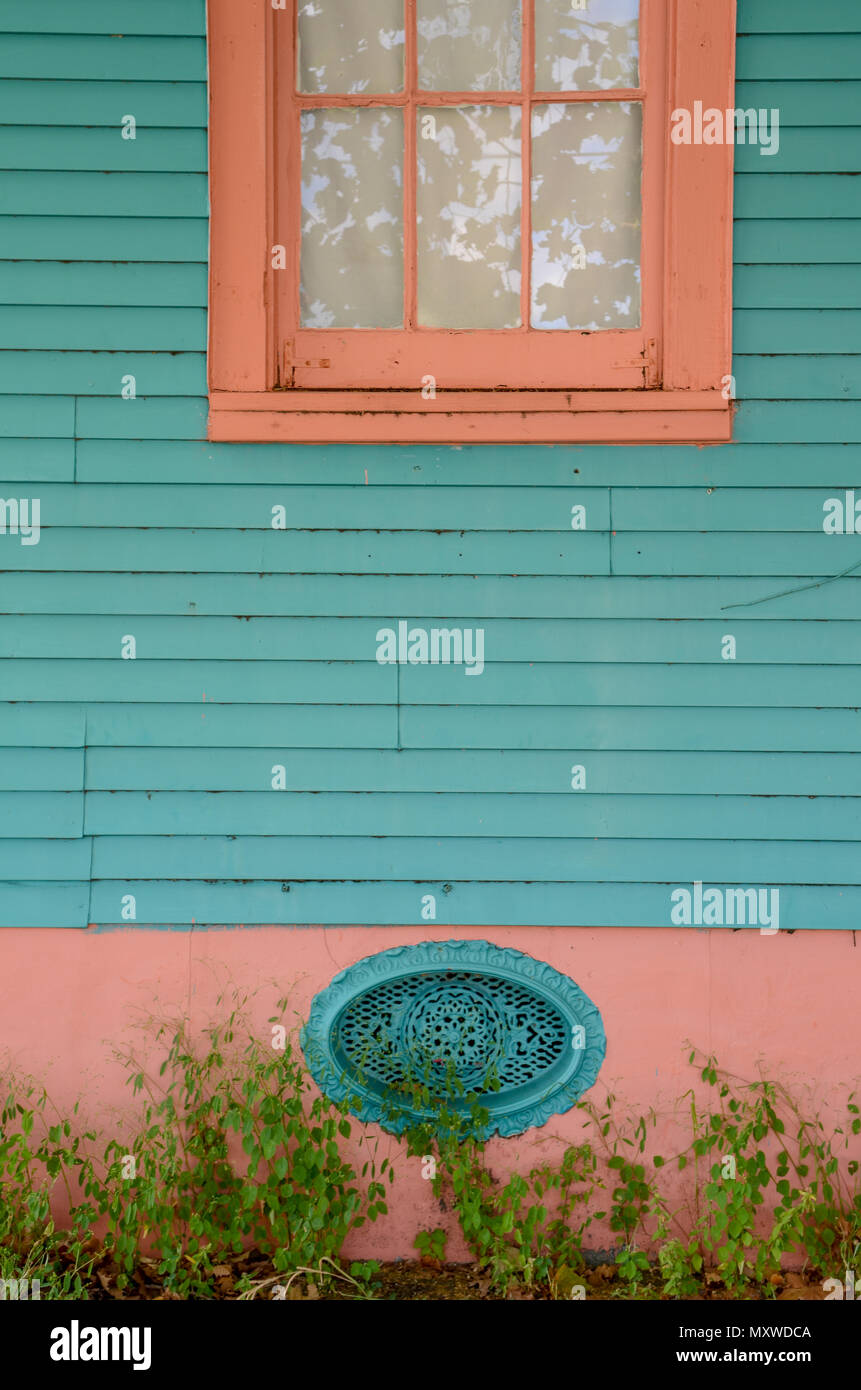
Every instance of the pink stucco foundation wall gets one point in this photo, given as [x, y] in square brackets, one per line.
[790, 1002]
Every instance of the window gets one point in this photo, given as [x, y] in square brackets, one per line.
[449, 221]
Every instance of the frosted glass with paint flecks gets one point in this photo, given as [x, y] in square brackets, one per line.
[350, 46]
[469, 45]
[586, 215]
[468, 201]
[586, 49]
[352, 248]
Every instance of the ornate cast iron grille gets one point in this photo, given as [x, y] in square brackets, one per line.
[497, 1023]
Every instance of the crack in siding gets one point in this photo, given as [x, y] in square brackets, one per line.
[802, 588]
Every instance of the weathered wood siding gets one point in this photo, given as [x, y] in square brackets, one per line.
[256, 647]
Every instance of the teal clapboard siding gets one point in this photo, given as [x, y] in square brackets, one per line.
[255, 647]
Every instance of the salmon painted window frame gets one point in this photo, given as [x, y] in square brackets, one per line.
[271, 381]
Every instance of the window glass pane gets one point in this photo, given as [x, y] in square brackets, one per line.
[468, 203]
[586, 160]
[352, 252]
[469, 45]
[586, 45]
[351, 46]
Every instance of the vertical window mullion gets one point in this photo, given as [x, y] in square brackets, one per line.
[410, 167]
[293, 182]
[528, 89]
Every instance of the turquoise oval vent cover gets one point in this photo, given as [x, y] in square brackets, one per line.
[466, 1009]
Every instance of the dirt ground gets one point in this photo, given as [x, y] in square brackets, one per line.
[413, 1281]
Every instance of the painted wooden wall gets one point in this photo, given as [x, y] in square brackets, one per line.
[152, 777]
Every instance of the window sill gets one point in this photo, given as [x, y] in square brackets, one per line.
[470, 417]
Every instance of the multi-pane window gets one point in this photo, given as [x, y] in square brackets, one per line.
[460, 220]
[469, 166]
